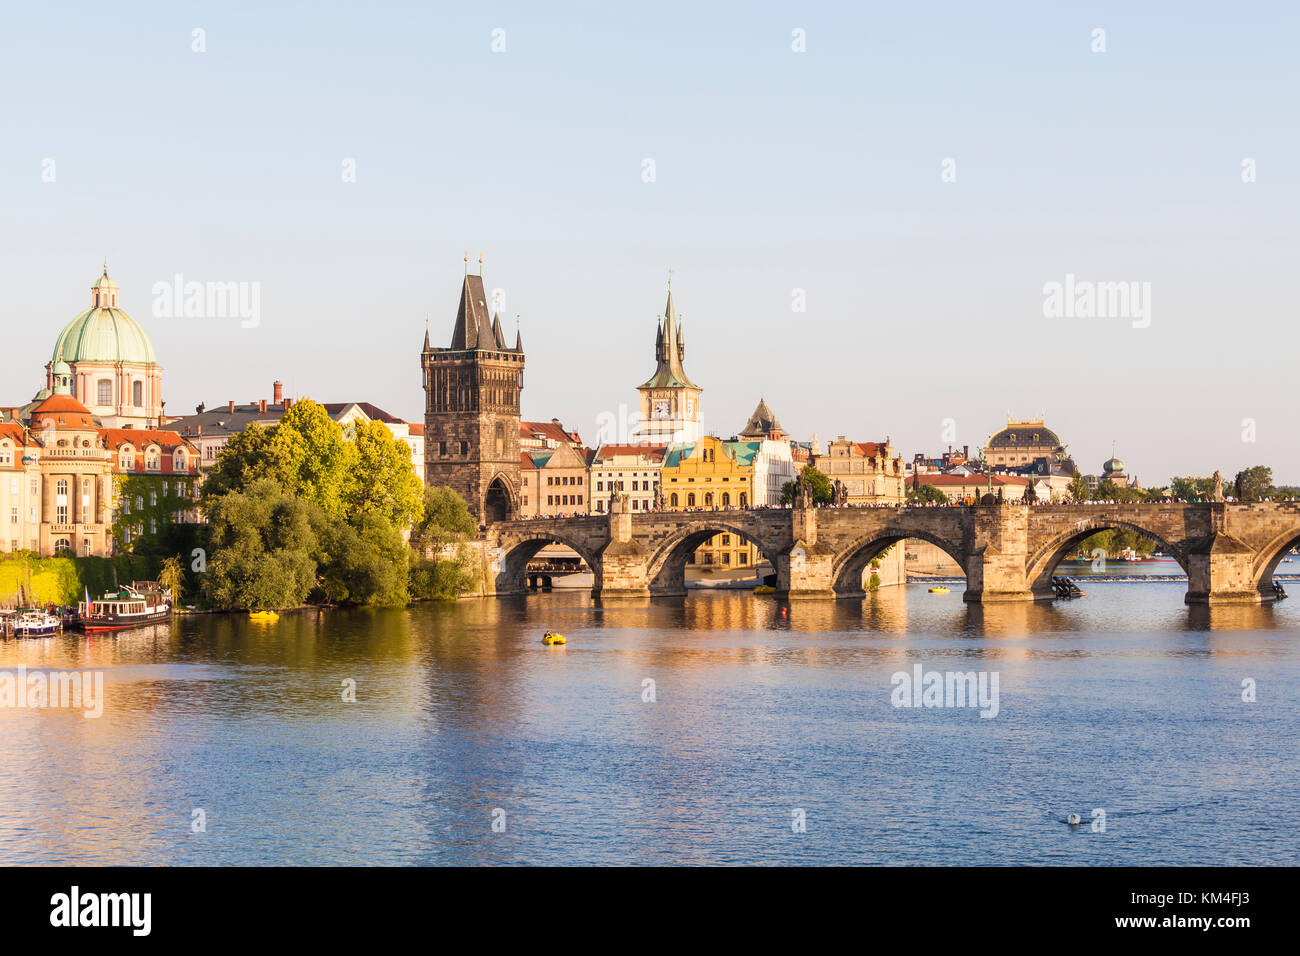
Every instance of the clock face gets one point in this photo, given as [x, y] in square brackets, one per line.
[661, 409]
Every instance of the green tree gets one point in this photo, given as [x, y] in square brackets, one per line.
[818, 483]
[248, 456]
[1254, 483]
[1107, 490]
[1191, 489]
[443, 566]
[363, 564]
[381, 480]
[316, 455]
[263, 541]
[445, 520]
[925, 494]
[171, 575]
[1077, 488]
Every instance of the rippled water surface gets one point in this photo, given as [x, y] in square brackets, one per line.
[1125, 700]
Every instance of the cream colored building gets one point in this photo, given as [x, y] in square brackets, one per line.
[554, 482]
[632, 470]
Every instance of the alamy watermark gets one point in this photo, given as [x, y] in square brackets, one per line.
[179, 299]
[43, 690]
[1086, 299]
[922, 688]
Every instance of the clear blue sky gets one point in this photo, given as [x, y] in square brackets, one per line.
[775, 170]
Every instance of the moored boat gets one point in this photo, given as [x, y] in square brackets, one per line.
[33, 622]
[136, 605]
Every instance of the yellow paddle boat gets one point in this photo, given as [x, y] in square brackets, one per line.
[939, 589]
[267, 616]
[550, 638]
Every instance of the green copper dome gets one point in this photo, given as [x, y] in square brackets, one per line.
[104, 333]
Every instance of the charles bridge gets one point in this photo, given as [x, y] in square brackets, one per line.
[1008, 551]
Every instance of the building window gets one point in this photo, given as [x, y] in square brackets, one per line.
[104, 392]
[690, 500]
[742, 558]
[500, 440]
[137, 394]
[673, 499]
[708, 499]
[62, 546]
[726, 557]
[744, 500]
[726, 499]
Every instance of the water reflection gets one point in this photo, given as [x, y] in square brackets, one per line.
[759, 706]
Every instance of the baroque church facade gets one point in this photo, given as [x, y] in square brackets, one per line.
[84, 468]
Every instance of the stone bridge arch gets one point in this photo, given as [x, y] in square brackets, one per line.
[520, 547]
[1269, 556]
[666, 566]
[851, 562]
[1043, 560]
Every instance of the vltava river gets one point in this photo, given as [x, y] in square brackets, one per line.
[1125, 700]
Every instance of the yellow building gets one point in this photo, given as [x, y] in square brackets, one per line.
[713, 475]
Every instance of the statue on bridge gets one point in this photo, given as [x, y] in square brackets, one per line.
[659, 497]
[839, 493]
[1218, 485]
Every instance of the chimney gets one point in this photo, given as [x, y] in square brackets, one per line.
[261, 406]
[285, 403]
[230, 406]
[279, 393]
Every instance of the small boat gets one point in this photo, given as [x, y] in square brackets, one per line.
[137, 604]
[550, 638]
[938, 589]
[31, 622]
[267, 616]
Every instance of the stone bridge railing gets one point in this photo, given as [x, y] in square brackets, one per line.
[1008, 551]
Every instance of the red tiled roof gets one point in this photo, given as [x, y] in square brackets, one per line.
[650, 451]
[552, 430]
[62, 410]
[139, 439]
[15, 433]
[116, 437]
[953, 480]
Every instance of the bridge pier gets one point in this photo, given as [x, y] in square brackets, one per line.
[806, 570]
[1220, 570]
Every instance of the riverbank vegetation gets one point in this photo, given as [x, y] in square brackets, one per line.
[65, 579]
[306, 511]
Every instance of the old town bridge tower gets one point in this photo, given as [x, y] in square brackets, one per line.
[471, 409]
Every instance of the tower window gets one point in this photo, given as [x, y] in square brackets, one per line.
[137, 394]
[104, 391]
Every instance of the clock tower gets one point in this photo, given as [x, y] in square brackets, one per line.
[670, 402]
